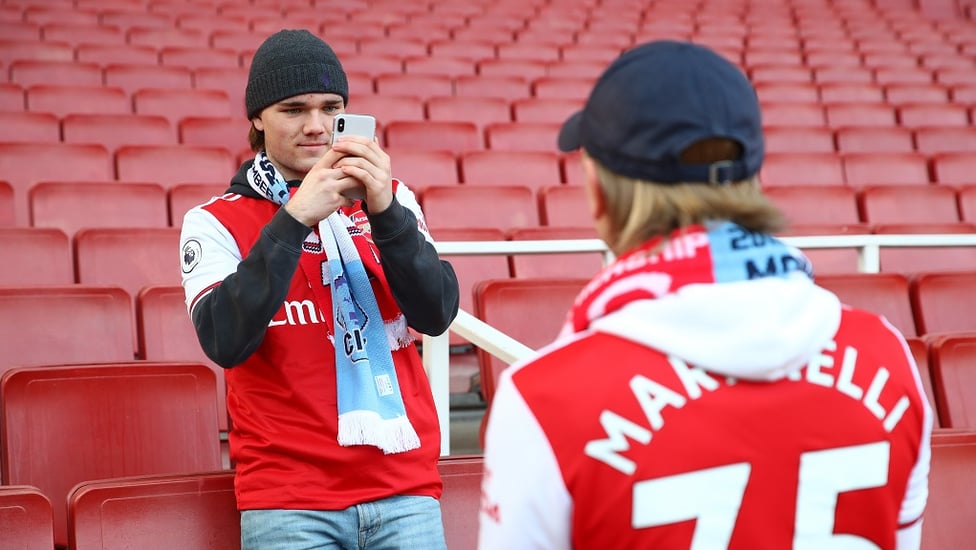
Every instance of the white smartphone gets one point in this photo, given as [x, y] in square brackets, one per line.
[347, 124]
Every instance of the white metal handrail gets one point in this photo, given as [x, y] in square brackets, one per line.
[437, 352]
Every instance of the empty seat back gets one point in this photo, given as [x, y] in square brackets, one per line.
[123, 419]
[26, 518]
[153, 512]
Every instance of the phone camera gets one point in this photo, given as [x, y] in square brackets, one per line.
[341, 124]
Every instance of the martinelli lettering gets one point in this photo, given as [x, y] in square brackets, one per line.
[654, 398]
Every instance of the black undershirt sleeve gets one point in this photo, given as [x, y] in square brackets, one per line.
[231, 320]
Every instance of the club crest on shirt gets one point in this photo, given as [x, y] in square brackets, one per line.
[192, 251]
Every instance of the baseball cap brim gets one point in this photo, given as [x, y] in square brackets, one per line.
[569, 135]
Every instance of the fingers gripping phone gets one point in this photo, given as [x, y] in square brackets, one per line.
[354, 125]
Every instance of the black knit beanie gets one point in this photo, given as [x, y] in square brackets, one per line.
[289, 63]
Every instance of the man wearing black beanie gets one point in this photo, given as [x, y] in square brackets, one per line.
[306, 297]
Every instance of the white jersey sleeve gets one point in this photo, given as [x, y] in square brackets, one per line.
[533, 508]
[209, 254]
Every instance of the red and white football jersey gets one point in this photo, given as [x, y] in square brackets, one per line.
[603, 442]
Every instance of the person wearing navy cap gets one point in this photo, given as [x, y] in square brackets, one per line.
[704, 393]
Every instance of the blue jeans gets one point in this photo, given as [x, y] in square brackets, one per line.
[395, 523]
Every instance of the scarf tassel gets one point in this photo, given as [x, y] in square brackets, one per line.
[392, 435]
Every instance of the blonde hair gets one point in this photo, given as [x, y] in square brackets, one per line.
[638, 210]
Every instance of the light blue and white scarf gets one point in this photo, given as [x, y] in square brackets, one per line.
[371, 410]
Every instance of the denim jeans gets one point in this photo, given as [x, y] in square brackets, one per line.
[395, 523]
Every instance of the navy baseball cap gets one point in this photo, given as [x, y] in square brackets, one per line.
[657, 99]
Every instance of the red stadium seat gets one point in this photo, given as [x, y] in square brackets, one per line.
[954, 168]
[588, 66]
[915, 115]
[12, 97]
[228, 132]
[787, 92]
[904, 204]
[522, 136]
[777, 113]
[502, 303]
[172, 164]
[464, 206]
[81, 34]
[461, 501]
[421, 85]
[935, 140]
[901, 94]
[167, 36]
[533, 169]
[399, 47]
[65, 324]
[39, 256]
[954, 378]
[71, 206]
[430, 64]
[419, 168]
[30, 127]
[802, 169]
[799, 139]
[816, 204]
[177, 104]
[184, 196]
[544, 110]
[851, 92]
[26, 517]
[864, 169]
[952, 492]
[563, 206]
[133, 77]
[467, 48]
[389, 107]
[431, 135]
[126, 19]
[66, 99]
[550, 87]
[840, 115]
[28, 72]
[165, 333]
[507, 87]
[874, 139]
[886, 294]
[568, 264]
[122, 420]
[480, 110]
[127, 257]
[942, 302]
[24, 164]
[523, 50]
[115, 130]
[13, 50]
[152, 511]
[117, 54]
[198, 57]
[528, 69]
[232, 80]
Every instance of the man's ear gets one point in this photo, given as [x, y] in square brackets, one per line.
[594, 190]
[257, 123]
